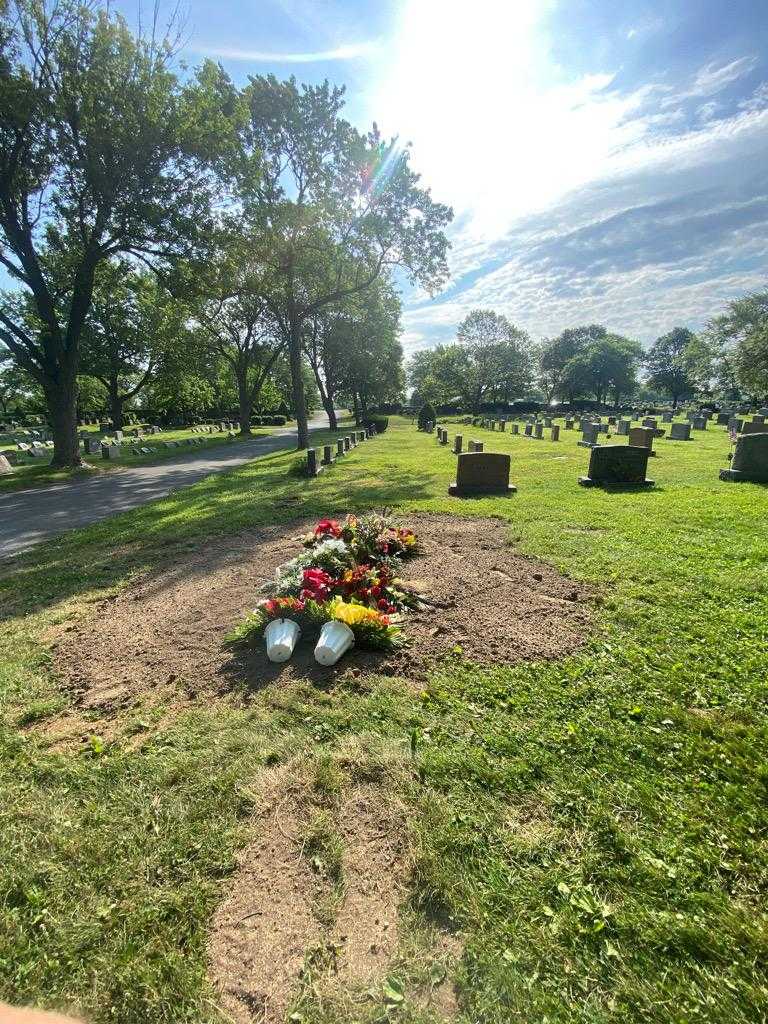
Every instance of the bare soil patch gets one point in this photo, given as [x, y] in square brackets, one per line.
[261, 932]
[268, 945]
[488, 604]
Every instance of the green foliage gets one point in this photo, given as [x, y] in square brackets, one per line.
[426, 415]
[740, 338]
[679, 363]
[95, 129]
[380, 422]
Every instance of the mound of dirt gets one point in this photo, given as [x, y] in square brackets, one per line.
[487, 604]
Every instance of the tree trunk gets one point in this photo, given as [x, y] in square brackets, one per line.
[115, 407]
[330, 412]
[61, 398]
[363, 409]
[244, 404]
[297, 384]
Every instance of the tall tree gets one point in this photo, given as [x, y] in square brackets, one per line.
[674, 364]
[227, 295]
[334, 208]
[606, 363]
[100, 154]
[492, 358]
[740, 336]
[562, 360]
[353, 348]
[131, 323]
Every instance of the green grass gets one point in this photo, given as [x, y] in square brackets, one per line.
[595, 828]
[35, 473]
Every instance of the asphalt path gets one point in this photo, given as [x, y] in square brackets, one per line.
[27, 517]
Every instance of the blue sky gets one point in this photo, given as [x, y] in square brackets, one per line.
[607, 160]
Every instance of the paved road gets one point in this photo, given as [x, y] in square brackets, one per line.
[27, 517]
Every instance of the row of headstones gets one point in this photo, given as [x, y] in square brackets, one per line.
[316, 462]
[113, 449]
[534, 430]
[35, 450]
[479, 473]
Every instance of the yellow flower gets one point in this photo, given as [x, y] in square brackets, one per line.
[352, 614]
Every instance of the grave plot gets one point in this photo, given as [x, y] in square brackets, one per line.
[481, 601]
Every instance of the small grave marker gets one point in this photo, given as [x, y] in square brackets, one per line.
[458, 441]
[679, 432]
[642, 437]
[589, 435]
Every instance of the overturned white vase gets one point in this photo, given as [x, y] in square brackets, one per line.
[335, 640]
[280, 636]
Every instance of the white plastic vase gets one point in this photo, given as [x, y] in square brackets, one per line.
[281, 636]
[336, 638]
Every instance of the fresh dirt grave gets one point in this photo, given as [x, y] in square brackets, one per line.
[486, 603]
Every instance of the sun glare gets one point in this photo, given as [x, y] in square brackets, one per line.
[496, 125]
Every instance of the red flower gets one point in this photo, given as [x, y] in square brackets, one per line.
[317, 584]
[327, 527]
[383, 603]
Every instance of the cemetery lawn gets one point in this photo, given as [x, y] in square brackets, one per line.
[36, 472]
[592, 831]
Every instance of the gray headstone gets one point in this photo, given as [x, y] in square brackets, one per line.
[750, 459]
[313, 467]
[623, 427]
[617, 464]
[699, 423]
[340, 447]
[458, 441]
[515, 429]
[752, 427]
[556, 432]
[538, 430]
[680, 432]
[481, 473]
[589, 434]
[327, 455]
[529, 430]
[642, 437]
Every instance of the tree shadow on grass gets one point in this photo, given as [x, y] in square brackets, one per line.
[154, 538]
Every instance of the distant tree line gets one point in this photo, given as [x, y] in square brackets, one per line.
[183, 243]
[493, 363]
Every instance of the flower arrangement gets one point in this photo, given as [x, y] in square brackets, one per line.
[347, 573]
[373, 538]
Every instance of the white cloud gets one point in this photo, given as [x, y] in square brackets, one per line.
[351, 51]
[713, 78]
